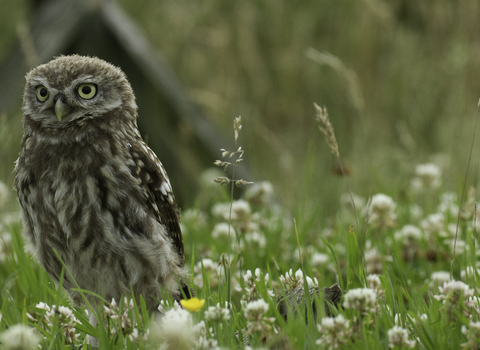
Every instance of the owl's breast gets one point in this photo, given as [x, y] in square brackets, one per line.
[66, 193]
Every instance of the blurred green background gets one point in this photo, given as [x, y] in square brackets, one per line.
[399, 78]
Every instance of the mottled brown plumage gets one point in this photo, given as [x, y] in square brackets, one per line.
[90, 188]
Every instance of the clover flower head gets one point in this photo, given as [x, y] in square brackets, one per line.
[19, 336]
[434, 223]
[381, 211]
[346, 201]
[448, 204]
[373, 261]
[291, 281]
[373, 282]
[427, 176]
[398, 336]
[453, 291]
[440, 277]
[241, 210]
[473, 335]
[254, 312]
[361, 299]
[408, 234]
[66, 321]
[335, 331]
[223, 229]
[218, 313]
[260, 193]
[319, 259]
[255, 309]
[177, 330]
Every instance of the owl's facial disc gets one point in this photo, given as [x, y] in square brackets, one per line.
[61, 108]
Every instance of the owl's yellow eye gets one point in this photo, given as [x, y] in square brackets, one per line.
[87, 91]
[42, 93]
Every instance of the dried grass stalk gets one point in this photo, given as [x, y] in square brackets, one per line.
[326, 127]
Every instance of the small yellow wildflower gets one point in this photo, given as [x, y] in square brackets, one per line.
[193, 304]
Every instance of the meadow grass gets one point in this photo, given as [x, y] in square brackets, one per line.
[399, 78]
[393, 267]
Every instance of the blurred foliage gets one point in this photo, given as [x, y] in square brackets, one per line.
[399, 78]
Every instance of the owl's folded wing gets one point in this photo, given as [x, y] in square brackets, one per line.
[158, 191]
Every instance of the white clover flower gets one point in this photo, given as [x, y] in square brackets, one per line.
[427, 177]
[257, 238]
[373, 261]
[43, 306]
[223, 229]
[434, 223]
[362, 299]
[408, 234]
[424, 317]
[452, 229]
[474, 303]
[346, 201]
[448, 204]
[221, 211]
[258, 274]
[328, 232]
[473, 325]
[208, 265]
[248, 277]
[440, 277]
[250, 284]
[335, 331]
[20, 337]
[204, 343]
[416, 212]
[291, 281]
[254, 312]
[241, 210]
[136, 336]
[214, 270]
[319, 259]
[381, 211]
[194, 217]
[473, 335]
[373, 282]
[459, 246]
[398, 336]
[255, 309]
[217, 313]
[176, 330]
[163, 306]
[312, 282]
[66, 321]
[260, 193]
[453, 291]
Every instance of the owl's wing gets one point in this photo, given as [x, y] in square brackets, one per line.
[146, 167]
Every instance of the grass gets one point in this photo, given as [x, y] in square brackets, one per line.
[406, 242]
[399, 81]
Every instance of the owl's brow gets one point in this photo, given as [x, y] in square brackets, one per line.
[40, 81]
[85, 79]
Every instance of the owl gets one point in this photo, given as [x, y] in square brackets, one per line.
[91, 190]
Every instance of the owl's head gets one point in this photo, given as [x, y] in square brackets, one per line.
[73, 89]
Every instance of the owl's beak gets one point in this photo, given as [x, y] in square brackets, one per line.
[61, 108]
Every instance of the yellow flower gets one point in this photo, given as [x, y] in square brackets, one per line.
[193, 304]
